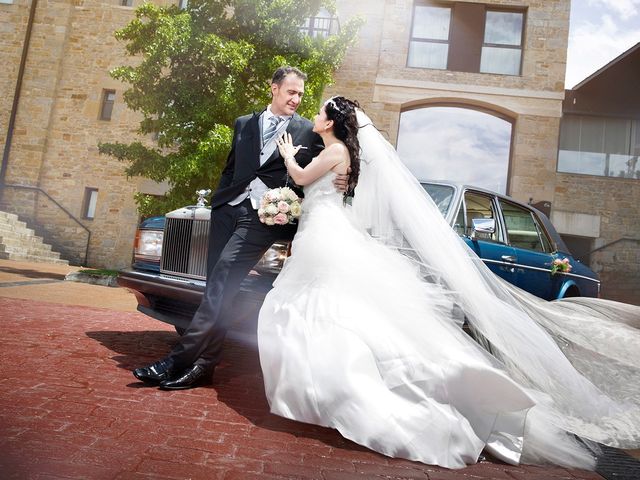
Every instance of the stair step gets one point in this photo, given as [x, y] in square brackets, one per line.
[29, 250]
[25, 242]
[32, 258]
[9, 217]
[17, 242]
[9, 228]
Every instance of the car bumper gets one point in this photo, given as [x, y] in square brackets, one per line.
[152, 283]
[174, 300]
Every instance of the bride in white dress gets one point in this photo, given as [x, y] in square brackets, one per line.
[362, 330]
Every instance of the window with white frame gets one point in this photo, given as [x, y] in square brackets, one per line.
[321, 25]
[89, 203]
[466, 37]
[502, 47]
[603, 146]
[429, 44]
[108, 100]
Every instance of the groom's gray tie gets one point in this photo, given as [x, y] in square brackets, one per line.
[270, 131]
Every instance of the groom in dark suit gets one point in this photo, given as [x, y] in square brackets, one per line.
[237, 238]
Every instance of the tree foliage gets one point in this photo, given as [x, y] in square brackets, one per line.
[195, 70]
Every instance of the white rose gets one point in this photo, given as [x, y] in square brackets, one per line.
[271, 209]
[295, 209]
[273, 195]
[269, 221]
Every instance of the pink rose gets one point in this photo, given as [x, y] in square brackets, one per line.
[281, 219]
[283, 207]
[273, 195]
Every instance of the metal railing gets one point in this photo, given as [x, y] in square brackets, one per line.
[39, 190]
[621, 239]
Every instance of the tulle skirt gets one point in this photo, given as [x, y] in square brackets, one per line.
[351, 337]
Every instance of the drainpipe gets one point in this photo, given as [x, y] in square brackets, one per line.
[16, 97]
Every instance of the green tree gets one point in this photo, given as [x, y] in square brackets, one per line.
[198, 69]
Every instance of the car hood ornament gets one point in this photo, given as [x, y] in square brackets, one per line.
[201, 194]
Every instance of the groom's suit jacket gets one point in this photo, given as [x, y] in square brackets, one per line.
[243, 162]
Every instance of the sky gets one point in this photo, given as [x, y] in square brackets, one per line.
[600, 30]
[468, 137]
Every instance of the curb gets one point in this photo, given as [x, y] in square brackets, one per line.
[104, 280]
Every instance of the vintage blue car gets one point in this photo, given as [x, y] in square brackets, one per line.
[515, 240]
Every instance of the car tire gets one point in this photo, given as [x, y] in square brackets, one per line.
[571, 292]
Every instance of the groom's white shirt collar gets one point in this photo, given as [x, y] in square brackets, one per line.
[266, 116]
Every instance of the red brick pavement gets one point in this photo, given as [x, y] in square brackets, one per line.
[70, 408]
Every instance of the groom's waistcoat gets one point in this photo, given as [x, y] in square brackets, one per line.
[243, 162]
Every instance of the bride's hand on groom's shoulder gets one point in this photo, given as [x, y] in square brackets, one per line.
[285, 146]
[341, 182]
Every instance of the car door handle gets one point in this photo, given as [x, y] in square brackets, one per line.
[508, 258]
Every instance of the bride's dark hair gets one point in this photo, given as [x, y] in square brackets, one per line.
[345, 127]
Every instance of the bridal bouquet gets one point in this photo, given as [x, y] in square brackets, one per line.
[279, 206]
[560, 266]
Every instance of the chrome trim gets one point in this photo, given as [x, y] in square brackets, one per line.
[519, 265]
[185, 247]
[498, 262]
[190, 281]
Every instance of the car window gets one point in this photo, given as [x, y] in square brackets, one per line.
[477, 205]
[522, 230]
[547, 244]
[441, 195]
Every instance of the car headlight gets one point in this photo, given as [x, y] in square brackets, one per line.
[148, 245]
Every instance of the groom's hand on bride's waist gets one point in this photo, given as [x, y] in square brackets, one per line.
[341, 182]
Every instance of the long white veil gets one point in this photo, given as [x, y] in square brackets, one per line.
[582, 356]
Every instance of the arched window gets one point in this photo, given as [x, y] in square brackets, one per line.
[456, 143]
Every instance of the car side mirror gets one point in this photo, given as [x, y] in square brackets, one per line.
[483, 225]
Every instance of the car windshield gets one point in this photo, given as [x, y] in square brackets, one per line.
[441, 195]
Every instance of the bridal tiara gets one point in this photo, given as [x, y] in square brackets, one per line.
[335, 106]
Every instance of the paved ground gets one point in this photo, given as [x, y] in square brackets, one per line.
[70, 408]
[44, 282]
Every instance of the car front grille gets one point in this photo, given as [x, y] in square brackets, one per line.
[184, 248]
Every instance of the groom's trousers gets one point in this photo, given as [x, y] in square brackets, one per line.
[237, 240]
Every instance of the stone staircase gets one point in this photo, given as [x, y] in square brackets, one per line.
[17, 242]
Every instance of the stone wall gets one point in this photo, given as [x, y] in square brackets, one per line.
[13, 24]
[615, 201]
[58, 127]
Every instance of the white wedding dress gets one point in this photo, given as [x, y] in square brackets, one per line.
[362, 333]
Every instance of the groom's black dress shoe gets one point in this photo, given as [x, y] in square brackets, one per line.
[156, 372]
[192, 377]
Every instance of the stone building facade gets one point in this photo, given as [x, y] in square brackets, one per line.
[58, 126]
[66, 77]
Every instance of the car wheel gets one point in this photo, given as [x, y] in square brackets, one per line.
[572, 291]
